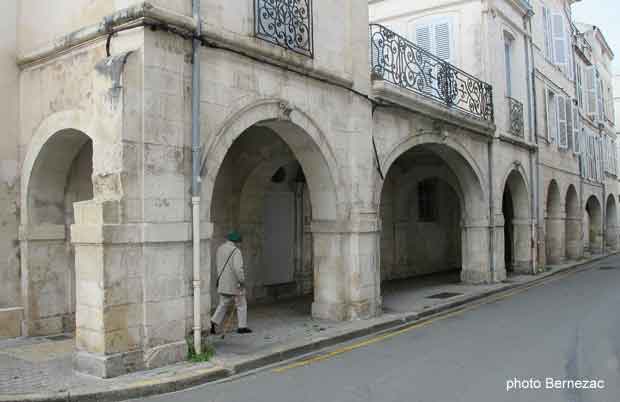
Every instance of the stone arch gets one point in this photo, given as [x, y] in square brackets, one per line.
[594, 225]
[460, 161]
[461, 174]
[304, 137]
[554, 224]
[611, 224]
[517, 222]
[243, 151]
[57, 172]
[67, 120]
[573, 224]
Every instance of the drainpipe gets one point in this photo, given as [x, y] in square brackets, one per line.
[534, 206]
[195, 175]
[535, 133]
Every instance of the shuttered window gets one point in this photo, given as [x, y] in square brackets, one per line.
[576, 129]
[569, 123]
[551, 117]
[600, 94]
[434, 34]
[590, 75]
[579, 84]
[559, 41]
[548, 33]
[562, 121]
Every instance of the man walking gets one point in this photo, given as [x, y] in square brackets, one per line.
[230, 284]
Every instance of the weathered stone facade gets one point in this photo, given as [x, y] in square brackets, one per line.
[337, 178]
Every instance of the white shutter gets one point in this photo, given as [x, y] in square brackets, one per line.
[590, 74]
[548, 33]
[569, 53]
[561, 106]
[576, 129]
[551, 109]
[559, 40]
[599, 96]
[443, 45]
[423, 36]
[578, 83]
[569, 123]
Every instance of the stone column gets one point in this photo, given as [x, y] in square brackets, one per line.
[522, 246]
[346, 269]
[555, 243]
[109, 291]
[476, 265]
[574, 246]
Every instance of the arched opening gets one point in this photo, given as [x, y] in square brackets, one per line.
[517, 232]
[573, 224]
[61, 175]
[593, 226]
[272, 182]
[429, 198]
[554, 225]
[611, 232]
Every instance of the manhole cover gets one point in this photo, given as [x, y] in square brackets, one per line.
[608, 268]
[444, 295]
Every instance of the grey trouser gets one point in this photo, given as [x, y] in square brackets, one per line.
[225, 302]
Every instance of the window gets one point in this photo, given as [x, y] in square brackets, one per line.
[590, 74]
[576, 130]
[434, 34]
[558, 40]
[427, 200]
[579, 83]
[562, 121]
[508, 41]
[551, 116]
[600, 95]
[285, 23]
[548, 33]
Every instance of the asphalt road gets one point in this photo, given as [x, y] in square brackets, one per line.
[568, 328]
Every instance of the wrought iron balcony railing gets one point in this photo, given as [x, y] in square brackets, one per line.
[515, 117]
[401, 62]
[286, 23]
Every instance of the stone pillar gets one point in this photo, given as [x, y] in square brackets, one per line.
[574, 246]
[476, 261]
[346, 269]
[611, 236]
[522, 246]
[109, 291]
[554, 240]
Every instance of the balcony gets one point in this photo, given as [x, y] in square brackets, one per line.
[400, 62]
[515, 117]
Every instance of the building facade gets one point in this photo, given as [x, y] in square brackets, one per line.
[140, 133]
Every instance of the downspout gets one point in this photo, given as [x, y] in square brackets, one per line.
[490, 161]
[534, 206]
[195, 175]
[534, 132]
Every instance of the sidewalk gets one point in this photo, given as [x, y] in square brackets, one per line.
[40, 368]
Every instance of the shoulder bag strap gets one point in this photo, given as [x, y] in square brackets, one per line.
[217, 283]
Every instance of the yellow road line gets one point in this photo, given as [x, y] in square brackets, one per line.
[425, 323]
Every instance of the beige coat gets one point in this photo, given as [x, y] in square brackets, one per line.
[232, 278]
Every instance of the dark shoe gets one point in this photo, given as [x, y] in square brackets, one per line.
[245, 330]
[213, 328]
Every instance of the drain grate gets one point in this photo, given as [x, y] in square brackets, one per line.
[444, 295]
[63, 337]
[608, 268]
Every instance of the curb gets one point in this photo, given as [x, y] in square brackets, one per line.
[139, 389]
[144, 388]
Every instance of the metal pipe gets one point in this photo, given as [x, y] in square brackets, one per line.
[195, 177]
[533, 206]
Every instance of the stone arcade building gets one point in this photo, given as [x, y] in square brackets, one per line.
[448, 151]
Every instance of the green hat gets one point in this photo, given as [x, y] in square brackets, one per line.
[234, 236]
